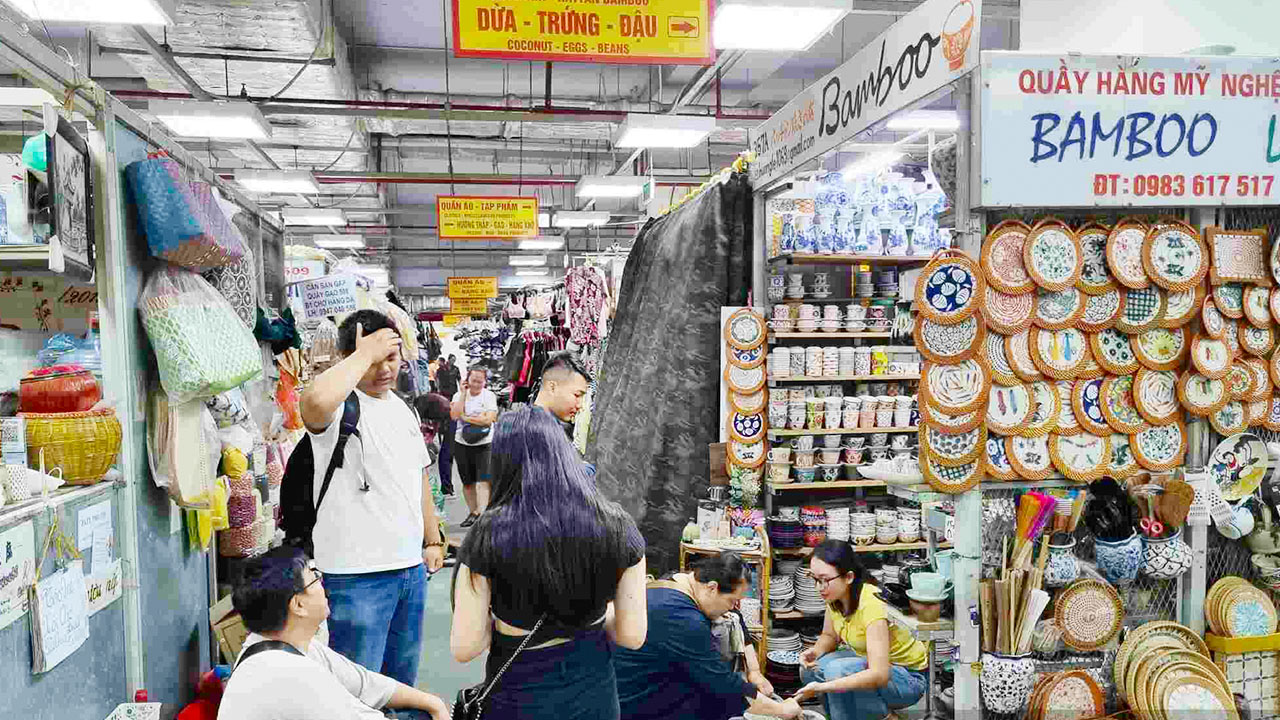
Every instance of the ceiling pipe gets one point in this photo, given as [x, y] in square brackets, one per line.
[164, 56]
[226, 57]
[415, 178]
[376, 108]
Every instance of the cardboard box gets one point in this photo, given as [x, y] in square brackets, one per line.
[228, 628]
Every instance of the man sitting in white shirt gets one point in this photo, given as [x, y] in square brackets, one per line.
[292, 675]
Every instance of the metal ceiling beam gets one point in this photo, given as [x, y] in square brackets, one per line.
[228, 57]
[423, 178]
[164, 56]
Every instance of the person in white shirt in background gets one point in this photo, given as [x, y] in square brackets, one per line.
[476, 409]
[281, 598]
[377, 536]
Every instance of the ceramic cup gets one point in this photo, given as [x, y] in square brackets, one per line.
[804, 442]
[879, 454]
[804, 458]
[830, 457]
[808, 312]
[780, 454]
[854, 456]
[796, 419]
[899, 442]
[779, 472]
[849, 420]
[778, 416]
[777, 281]
[782, 312]
[945, 560]
[796, 278]
[902, 417]
[857, 442]
[884, 417]
[830, 473]
[867, 418]
[830, 312]
[929, 583]
[831, 442]
[797, 363]
[862, 361]
[879, 439]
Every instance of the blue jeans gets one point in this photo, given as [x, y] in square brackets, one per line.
[905, 688]
[375, 619]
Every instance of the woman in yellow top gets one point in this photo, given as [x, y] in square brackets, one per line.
[885, 669]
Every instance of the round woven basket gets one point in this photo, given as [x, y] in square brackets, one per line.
[83, 444]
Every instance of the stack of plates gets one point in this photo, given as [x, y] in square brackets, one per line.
[783, 640]
[783, 669]
[838, 524]
[786, 533]
[941, 652]
[781, 593]
[808, 600]
[810, 638]
[786, 568]
[814, 518]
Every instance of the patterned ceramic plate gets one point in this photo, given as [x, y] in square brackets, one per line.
[998, 464]
[1238, 466]
[1274, 302]
[1212, 321]
[1238, 255]
[1008, 408]
[1181, 307]
[1256, 341]
[1155, 392]
[1030, 457]
[1058, 353]
[1231, 335]
[1201, 395]
[1143, 310]
[1123, 464]
[748, 455]
[1018, 349]
[746, 427]
[998, 360]
[748, 403]
[959, 388]
[1262, 384]
[1002, 258]
[949, 289]
[1274, 366]
[1114, 351]
[1230, 300]
[1239, 381]
[952, 480]
[1212, 358]
[1089, 614]
[952, 449]
[1173, 256]
[744, 380]
[1257, 309]
[1272, 422]
[1007, 313]
[1161, 348]
[1085, 397]
[1083, 457]
[1248, 612]
[1095, 278]
[1058, 309]
[1275, 264]
[1101, 311]
[1256, 412]
[1052, 255]
[748, 358]
[745, 329]
[1044, 418]
[1067, 422]
[956, 423]
[949, 343]
[1124, 254]
[1161, 447]
[1118, 406]
[1196, 696]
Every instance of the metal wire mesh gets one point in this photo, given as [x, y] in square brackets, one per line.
[1226, 558]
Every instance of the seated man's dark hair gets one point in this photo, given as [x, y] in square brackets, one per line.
[268, 584]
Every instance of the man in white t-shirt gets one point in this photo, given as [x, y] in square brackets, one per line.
[475, 407]
[377, 526]
[285, 672]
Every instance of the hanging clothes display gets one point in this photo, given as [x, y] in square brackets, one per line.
[525, 358]
[588, 293]
[657, 405]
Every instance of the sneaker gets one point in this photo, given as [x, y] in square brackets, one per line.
[471, 520]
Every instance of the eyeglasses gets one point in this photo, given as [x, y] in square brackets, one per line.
[318, 577]
[823, 582]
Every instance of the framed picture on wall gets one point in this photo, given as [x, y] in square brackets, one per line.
[71, 182]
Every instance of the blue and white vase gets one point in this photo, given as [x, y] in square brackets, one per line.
[1119, 561]
[1165, 558]
[1006, 682]
[1063, 568]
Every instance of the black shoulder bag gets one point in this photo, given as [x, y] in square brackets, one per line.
[470, 702]
[264, 646]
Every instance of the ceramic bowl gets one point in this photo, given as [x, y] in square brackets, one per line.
[830, 473]
[806, 475]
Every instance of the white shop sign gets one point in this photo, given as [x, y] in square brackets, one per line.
[299, 270]
[329, 295]
[929, 48]
[1070, 131]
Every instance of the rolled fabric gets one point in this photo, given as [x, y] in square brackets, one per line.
[237, 542]
[242, 510]
[242, 484]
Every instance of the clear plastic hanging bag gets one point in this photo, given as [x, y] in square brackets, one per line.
[202, 348]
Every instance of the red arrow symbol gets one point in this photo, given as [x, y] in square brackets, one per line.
[682, 27]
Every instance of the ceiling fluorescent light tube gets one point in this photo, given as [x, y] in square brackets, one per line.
[924, 120]
[277, 181]
[542, 242]
[579, 219]
[26, 97]
[872, 163]
[527, 260]
[313, 216]
[544, 220]
[531, 272]
[338, 242]
[234, 120]
[641, 130]
[775, 24]
[612, 186]
[99, 12]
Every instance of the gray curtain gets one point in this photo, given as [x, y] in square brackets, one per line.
[657, 404]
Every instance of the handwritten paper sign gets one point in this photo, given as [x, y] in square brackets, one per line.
[329, 295]
[17, 571]
[59, 617]
[90, 521]
[103, 588]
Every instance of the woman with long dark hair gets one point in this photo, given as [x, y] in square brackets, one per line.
[553, 558]
[886, 668]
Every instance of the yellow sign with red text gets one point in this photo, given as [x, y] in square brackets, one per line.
[635, 32]
[471, 217]
[469, 306]
[472, 287]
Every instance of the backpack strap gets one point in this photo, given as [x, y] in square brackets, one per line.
[348, 426]
[264, 646]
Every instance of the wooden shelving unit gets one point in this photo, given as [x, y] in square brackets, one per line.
[904, 547]
[774, 337]
[842, 378]
[848, 431]
[818, 259]
[836, 485]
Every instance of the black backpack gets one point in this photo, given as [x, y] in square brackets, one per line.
[298, 512]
